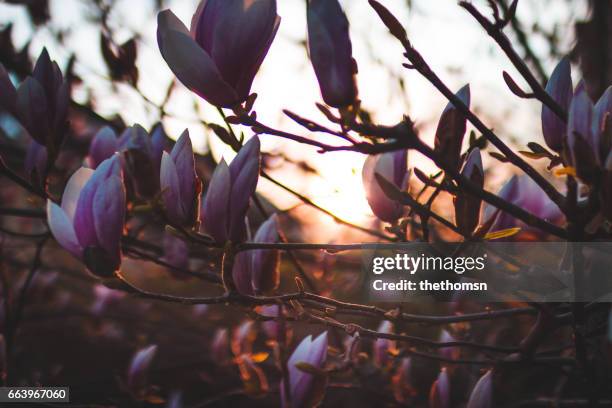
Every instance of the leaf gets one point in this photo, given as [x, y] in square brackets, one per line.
[534, 156]
[424, 178]
[389, 20]
[538, 148]
[502, 233]
[513, 86]
[499, 157]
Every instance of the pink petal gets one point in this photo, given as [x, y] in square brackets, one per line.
[62, 229]
[73, 189]
[190, 63]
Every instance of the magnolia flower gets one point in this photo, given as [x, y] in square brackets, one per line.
[103, 296]
[229, 193]
[272, 328]
[243, 337]
[451, 353]
[392, 166]
[137, 375]
[90, 221]
[41, 103]
[582, 150]
[523, 192]
[303, 385]
[330, 51]
[143, 155]
[219, 348]
[467, 206]
[179, 184]
[559, 87]
[402, 380]
[35, 165]
[589, 133]
[451, 129]
[439, 396]
[221, 53]
[256, 271]
[382, 346]
[103, 145]
[482, 394]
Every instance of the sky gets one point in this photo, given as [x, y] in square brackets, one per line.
[449, 39]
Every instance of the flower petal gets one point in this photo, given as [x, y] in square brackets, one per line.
[83, 217]
[241, 38]
[190, 63]
[243, 187]
[182, 155]
[216, 203]
[103, 146]
[559, 87]
[73, 188]
[62, 229]
[171, 194]
[109, 216]
[241, 272]
[330, 51]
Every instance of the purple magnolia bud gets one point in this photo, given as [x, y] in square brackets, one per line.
[175, 400]
[559, 87]
[8, 94]
[451, 129]
[159, 144]
[103, 146]
[467, 206]
[219, 348]
[35, 164]
[138, 371]
[523, 192]
[451, 353]
[392, 166]
[243, 337]
[265, 275]
[439, 396]
[602, 125]
[176, 251]
[89, 223]
[482, 394]
[579, 136]
[403, 387]
[229, 193]
[104, 296]
[256, 271]
[219, 57]
[179, 184]
[302, 385]
[143, 156]
[270, 327]
[330, 51]
[42, 103]
[382, 347]
[241, 273]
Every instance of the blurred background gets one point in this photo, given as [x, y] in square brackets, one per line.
[77, 332]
